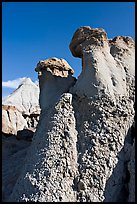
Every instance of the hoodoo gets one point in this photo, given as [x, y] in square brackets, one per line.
[103, 62]
[83, 148]
[55, 78]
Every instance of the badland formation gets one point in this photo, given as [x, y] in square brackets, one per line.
[73, 140]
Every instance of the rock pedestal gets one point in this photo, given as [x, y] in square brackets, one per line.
[55, 78]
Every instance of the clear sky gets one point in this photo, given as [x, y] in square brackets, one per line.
[33, 31]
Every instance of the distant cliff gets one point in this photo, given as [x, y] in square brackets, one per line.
[20, 110]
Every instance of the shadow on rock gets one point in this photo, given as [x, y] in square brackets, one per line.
[25, 134]
[118, 185]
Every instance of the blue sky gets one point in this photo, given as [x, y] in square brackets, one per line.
[33, 31]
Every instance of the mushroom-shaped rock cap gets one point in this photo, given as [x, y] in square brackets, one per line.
[57, 67]
[85, 37]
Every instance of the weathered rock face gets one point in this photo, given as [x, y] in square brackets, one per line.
[55, 78]
[123, 51]
[12, 120]
[81, 150]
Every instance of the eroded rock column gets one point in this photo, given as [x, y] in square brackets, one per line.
[51, 162]
[101, 73]
[104, 111]
[55, 78]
